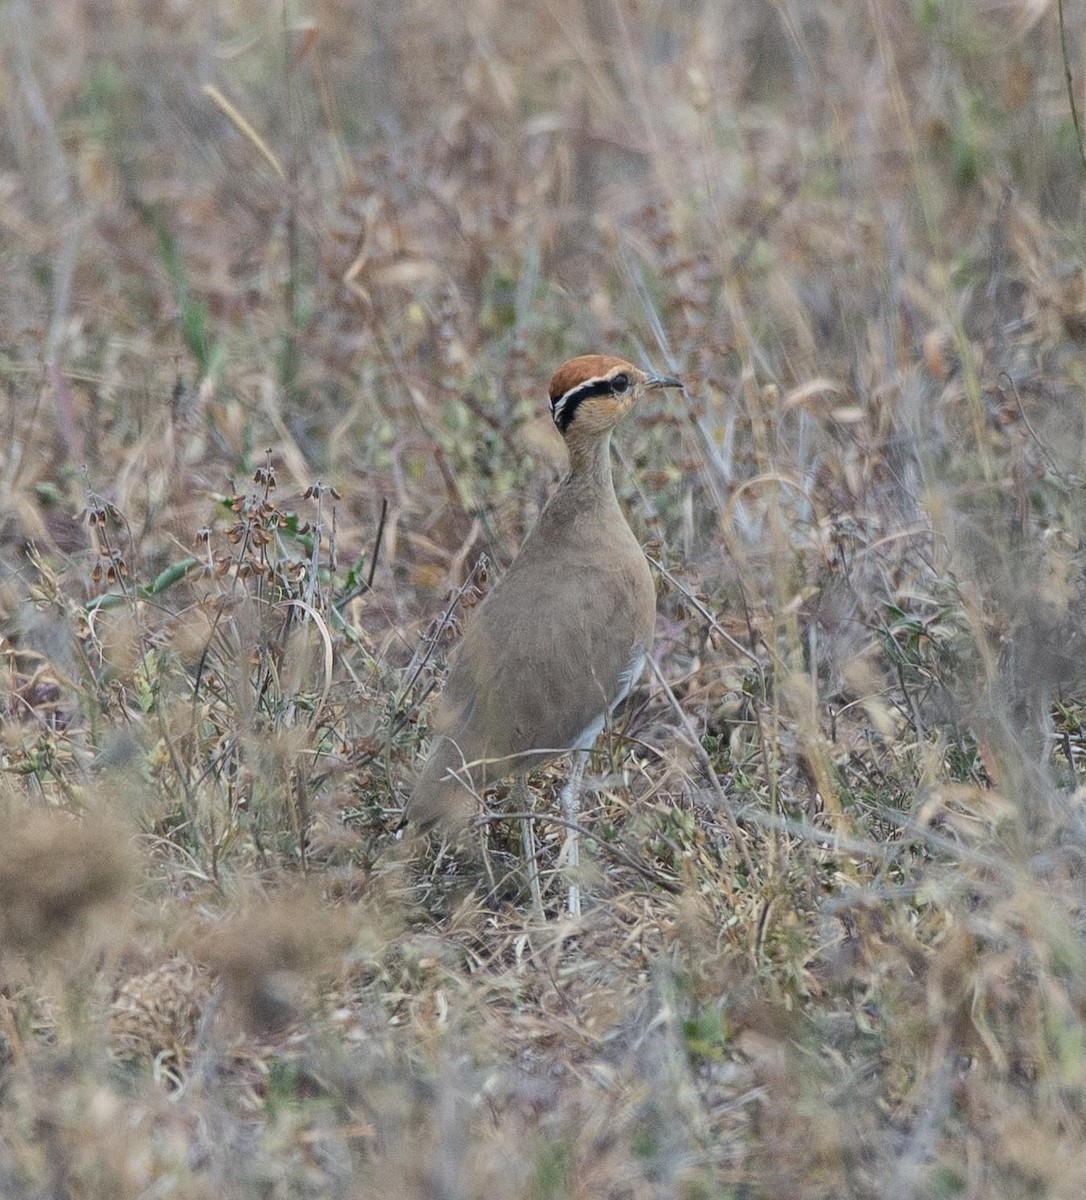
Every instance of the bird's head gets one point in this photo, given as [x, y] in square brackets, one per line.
[591, 394]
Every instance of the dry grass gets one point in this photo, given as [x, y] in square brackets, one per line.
[280, 290]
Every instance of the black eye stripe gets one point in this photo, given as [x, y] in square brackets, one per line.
[565, 407]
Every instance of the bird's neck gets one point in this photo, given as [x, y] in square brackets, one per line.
[590, 467]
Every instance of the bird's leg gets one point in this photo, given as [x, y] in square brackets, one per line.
[571, 807]
[522, 802]
[488, 866]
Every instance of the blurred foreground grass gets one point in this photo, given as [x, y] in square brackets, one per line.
[280, 291]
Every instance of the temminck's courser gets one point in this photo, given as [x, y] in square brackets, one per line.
[562, 637]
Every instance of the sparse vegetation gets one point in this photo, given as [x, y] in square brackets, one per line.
[280, 291]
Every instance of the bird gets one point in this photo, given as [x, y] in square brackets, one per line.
[562, 637]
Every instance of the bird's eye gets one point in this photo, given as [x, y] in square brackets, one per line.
[620, 383]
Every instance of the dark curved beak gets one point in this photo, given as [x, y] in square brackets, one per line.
[663, 381]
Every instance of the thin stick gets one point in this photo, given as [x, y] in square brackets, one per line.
[377, 543]
[1070, 83]
[714, 624]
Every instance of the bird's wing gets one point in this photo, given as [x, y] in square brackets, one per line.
[537, 684]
